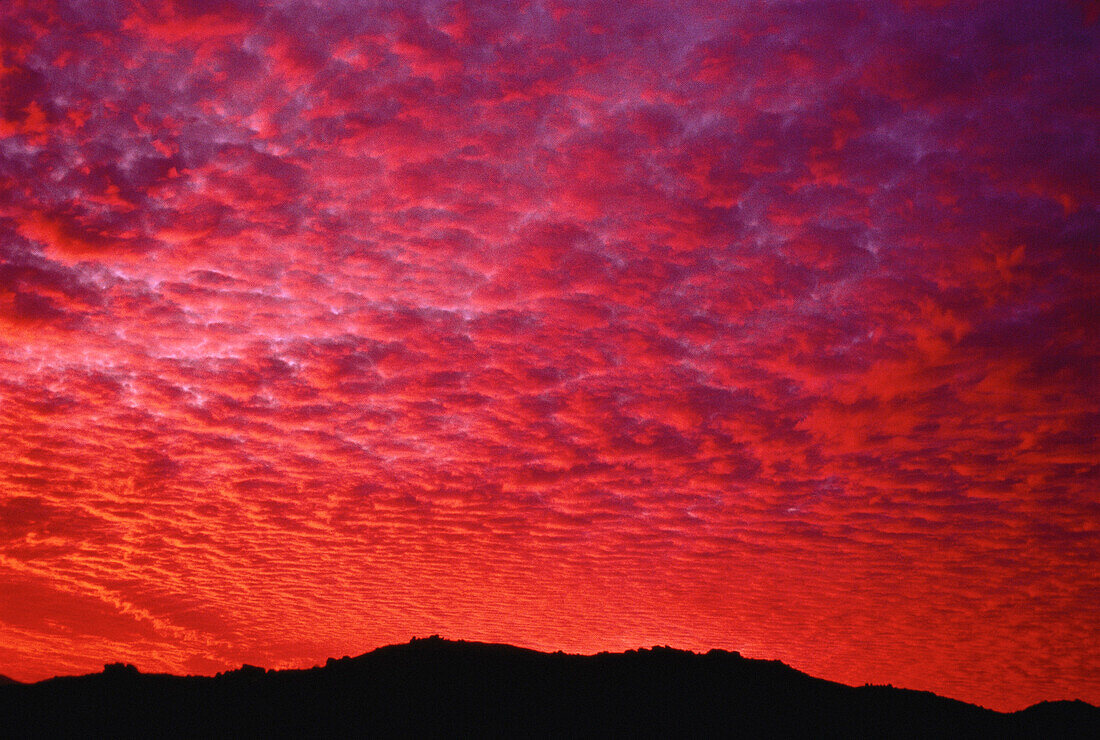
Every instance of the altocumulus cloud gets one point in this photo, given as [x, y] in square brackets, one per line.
[762, 326]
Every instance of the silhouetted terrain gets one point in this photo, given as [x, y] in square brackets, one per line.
[437, 687]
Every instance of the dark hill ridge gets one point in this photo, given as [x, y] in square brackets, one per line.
[438, 687]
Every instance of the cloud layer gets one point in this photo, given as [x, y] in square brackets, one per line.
[769, 327]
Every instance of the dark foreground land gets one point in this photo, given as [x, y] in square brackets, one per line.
[435, 687]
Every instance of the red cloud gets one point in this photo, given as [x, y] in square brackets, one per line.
[575, 327]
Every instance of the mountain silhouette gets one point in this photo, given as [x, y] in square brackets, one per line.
[433, 687]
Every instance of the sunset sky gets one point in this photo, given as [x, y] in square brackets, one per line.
[764, 326]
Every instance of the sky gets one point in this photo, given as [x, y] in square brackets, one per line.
[764, 326]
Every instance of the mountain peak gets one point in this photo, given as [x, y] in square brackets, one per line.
[433, 685]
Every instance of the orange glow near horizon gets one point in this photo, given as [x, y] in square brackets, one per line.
[769, 329]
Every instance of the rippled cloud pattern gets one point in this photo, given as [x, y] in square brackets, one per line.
[765, 326]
